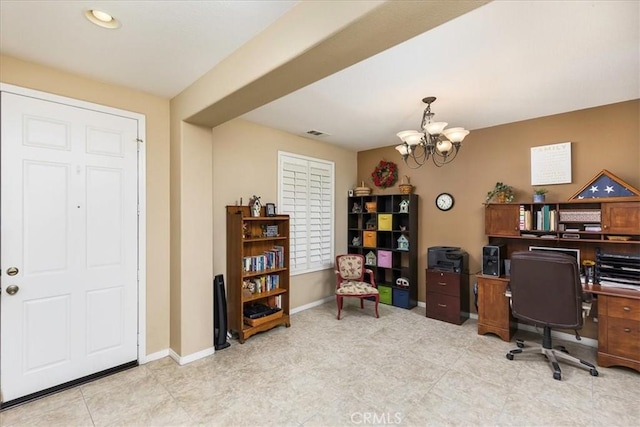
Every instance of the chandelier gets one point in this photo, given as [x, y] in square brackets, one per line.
[433, 141]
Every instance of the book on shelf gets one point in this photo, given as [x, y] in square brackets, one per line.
[521, 217]
[553, 220]
[527, 220]
[273, 258]
[545, 218]
[539, 221]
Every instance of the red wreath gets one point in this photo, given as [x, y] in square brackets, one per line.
[385, 174]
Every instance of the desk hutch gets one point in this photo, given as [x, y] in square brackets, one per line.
[610, 226]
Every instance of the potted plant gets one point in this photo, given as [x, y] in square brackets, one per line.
[539, 195]
[503, 193]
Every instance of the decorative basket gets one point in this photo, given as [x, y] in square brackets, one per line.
[362, 190]
[370, 208]
[405, 186]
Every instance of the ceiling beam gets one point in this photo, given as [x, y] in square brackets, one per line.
[378, 29]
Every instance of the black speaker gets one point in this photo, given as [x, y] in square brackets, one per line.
[219, 314]
[493, 260]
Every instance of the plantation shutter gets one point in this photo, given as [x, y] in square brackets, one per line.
[306, 194]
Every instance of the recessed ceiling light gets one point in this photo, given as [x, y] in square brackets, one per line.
[102, 19]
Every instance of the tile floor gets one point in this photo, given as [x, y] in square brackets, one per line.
[400, 369]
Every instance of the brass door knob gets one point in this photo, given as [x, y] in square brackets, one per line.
[12, 271]
[12, 289]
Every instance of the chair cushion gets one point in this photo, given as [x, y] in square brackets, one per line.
[356, 288]
[350, 267]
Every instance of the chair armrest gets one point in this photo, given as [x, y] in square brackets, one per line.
[371, 278]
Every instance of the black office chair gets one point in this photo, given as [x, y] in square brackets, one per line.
[546, 291]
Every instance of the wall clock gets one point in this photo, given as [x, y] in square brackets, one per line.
[444, 201]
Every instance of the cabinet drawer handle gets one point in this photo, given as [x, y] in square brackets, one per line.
[442, 305]
[627, 329]
[442, 284]
[626, 308]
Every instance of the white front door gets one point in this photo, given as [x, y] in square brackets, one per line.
[68, 195]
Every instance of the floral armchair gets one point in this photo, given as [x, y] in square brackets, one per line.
[350, 271]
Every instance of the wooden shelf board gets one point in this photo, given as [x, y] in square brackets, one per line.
[260, 295]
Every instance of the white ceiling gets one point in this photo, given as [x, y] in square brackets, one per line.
[161, 48]
[503, 62]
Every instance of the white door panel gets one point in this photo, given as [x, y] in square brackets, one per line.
[69, 223]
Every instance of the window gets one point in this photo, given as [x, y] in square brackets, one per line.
[305, 192]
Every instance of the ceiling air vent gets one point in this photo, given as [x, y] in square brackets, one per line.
[316, 133]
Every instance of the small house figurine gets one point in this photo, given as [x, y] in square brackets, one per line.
[403, 243]
[256, 205]
[370, 259]
[355, 241]
[371, 224]
[356, 208]
[404, 206]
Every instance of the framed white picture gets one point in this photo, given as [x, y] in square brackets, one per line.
[551, 164]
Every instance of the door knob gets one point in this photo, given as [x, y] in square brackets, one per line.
[12, 289]
[12, 271]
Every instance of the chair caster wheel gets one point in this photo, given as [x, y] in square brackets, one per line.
[520, 343]
[557, 376]
[510, 356]
[593, 372]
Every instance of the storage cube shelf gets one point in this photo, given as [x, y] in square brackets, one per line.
[390, 224]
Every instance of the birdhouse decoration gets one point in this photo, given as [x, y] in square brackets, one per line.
[404, 206]
[371, 224]
[370, 259]
[403, 243]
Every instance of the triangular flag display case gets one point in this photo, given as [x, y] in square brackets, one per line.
[606, 185]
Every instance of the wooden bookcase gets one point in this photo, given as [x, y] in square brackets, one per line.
[258, 253]
[378, 233]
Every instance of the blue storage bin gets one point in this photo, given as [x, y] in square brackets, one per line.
[401, 298]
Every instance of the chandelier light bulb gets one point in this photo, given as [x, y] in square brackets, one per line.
[456, 134]
[403, 149]
[435, 128]
[444, 146]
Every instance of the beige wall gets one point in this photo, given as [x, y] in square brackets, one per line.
[311, 41]
[502, 153]
[245, 162]
[156, 111]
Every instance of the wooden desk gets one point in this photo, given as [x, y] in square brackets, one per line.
[618, 319]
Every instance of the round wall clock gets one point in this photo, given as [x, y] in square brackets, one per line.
[444, 201]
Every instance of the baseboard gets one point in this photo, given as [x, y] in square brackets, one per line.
[183, 360]
[422, 304]
[311, 305]
[153, 356]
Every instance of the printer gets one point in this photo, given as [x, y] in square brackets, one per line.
[447, 258]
